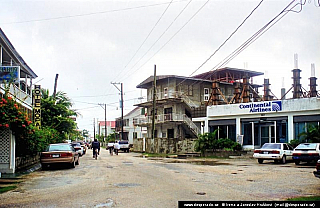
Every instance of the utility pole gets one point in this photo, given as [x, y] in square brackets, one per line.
[153, 109]
[94, 129]
[55, 86]
[105, 120]
[121, 92]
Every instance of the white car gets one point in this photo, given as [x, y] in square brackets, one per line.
[306, 152]
[279, 152]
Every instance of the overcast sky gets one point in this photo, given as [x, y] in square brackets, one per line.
[93, 43]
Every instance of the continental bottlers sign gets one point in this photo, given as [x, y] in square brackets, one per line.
[37, 106]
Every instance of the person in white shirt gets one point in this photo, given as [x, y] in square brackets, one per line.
[116, 148]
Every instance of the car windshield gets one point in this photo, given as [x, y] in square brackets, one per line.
[60, 147]
[311, 146]
[123, 142]
[271, 146]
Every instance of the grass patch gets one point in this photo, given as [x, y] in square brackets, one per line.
[7, 188]
[306, 198]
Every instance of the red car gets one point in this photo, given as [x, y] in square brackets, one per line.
[58, 154]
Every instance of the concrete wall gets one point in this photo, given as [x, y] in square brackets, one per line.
[26, 161]
[163, 145]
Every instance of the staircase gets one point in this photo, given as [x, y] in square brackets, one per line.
[193, 128]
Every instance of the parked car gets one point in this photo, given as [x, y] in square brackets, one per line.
[78, 148]
[124, 145]
[59, 153]
[82, 144]
[306, 152]
[279, 152]
[316, 173]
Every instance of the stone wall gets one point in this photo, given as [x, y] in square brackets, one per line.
[164, 145]
[26, 161]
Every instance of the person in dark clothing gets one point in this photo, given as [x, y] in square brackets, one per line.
[95, 145]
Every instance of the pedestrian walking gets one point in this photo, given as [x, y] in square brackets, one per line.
[116, 148]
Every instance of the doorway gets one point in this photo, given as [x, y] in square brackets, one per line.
[267, 133]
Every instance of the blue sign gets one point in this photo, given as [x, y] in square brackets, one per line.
[9, 73]
[262, 107]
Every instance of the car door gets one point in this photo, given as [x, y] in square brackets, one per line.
[288, 151]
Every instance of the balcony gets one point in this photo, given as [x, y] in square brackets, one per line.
[173, 96]
[172, 117]
[21, 96]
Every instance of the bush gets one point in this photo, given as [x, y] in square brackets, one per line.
[209, 141]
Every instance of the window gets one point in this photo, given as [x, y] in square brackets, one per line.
[135, 135]
[190, 90]
[206, 94]
[165, 92]
[164, 135]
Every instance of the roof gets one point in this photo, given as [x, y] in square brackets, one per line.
[149, 80]
[223, 75]
[227, 74]
[112, 124]
[17, 55]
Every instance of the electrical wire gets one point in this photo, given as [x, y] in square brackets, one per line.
[89, 14]
[129, 74]
[145, 39]
[164, 32]
[253, 38]
[227, 39]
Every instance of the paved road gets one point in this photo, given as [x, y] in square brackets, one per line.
[128, 180]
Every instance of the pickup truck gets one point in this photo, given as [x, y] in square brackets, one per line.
[124, 145]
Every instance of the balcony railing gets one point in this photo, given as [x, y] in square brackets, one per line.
[173, 94]
[21, 96]
[170, 117]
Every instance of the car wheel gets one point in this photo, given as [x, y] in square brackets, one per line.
[260, 161]
[73, 164]
[284, 159]
[297, 162]
[78, 161]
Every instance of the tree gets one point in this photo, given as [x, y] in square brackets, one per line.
[56, 112]
[312, 134]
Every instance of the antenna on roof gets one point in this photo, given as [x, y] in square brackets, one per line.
[313, 70]
[295, 61]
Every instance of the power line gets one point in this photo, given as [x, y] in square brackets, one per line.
[89, 14]
[161, 34]
[150, 32]
[128, 75]
[145, 38]
[227, 38]
[253, 38]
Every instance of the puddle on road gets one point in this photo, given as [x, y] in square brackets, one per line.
[125, 185]
[109, 203]
[210, 163]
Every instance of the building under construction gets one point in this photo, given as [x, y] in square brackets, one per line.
[253, 119]
[226, 99]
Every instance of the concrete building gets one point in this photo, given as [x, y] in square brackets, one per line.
[254, 121]
[225, 99]
[131, 130]
[21, 90]
[179, 100]
[111, 127]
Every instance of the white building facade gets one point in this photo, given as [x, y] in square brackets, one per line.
[253, 124]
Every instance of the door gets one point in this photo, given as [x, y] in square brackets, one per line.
[168, 114]
[267, 134]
